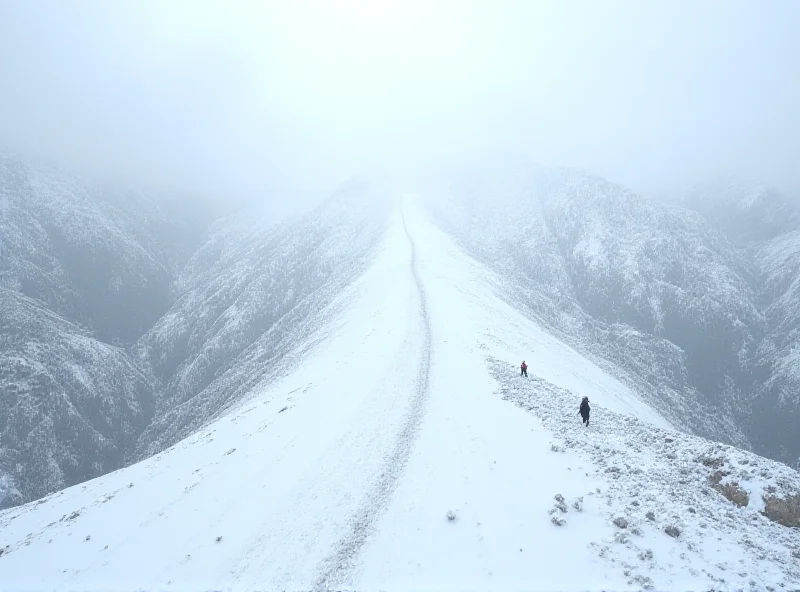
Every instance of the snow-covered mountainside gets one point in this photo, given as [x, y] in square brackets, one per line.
[765, 226]
[746, 212]
[407, 452]
[658, 293]
[70, 405]
[250, 294]
[777, 405]
[100, 258]
[82, 273]
[129, 322]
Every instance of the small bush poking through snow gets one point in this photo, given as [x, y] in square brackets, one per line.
[784, 511]
[712, 462]
[578, 504]
[451, 515]
[650, 516]
[558, 521]
[620, 522]
[731, 490]
[673, 531]
[734, 493]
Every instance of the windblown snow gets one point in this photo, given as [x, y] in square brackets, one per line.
[406, 452]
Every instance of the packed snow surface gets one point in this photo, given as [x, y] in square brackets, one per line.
[395, 458]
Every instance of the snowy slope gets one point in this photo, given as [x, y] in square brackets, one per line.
[249, 294]
[70, 405]
[84, 271]
[652, 292]
[102, 259]
[778, 402]
[343, 471]
[745, 211]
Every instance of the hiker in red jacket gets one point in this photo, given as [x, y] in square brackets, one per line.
[523, 369]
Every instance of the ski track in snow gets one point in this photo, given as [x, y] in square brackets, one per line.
[338, 567]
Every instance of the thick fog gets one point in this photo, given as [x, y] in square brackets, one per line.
[282, 100]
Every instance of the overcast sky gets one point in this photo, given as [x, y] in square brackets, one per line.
[285, 99]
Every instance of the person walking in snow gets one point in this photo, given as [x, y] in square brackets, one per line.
[523, 369]
[584, 410]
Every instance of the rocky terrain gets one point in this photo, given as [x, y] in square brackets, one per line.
[729, 516]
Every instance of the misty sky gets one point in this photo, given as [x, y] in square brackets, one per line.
[285, 99]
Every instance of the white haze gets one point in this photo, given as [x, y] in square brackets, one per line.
[282, 100]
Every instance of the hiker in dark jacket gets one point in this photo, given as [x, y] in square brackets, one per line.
[523, 369]
[584, 410]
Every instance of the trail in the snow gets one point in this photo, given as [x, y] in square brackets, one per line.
[338, 566]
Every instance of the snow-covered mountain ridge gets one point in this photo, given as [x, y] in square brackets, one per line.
[425, 461]
[127, 324]
[250, 293]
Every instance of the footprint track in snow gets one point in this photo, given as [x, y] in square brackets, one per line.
[336, 568]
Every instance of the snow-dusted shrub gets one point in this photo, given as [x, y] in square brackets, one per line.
[731, 490]
[713, 462]
[646, 555]
[673, 531]
[784, 511]
[620, 522]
